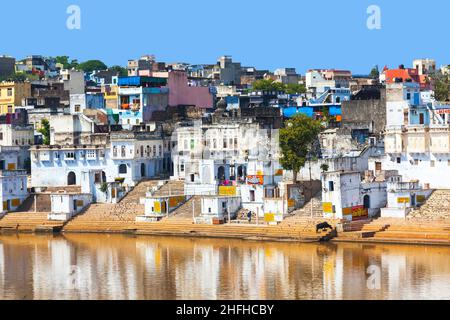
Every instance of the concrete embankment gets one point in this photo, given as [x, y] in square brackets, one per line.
[185, 228]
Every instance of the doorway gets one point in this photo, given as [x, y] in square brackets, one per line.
[71, 179]
[143, 170]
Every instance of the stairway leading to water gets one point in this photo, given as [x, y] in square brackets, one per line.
[27, 222]
[305, 212]
[120, 216]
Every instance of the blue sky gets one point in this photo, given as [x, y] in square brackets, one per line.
[263, 33]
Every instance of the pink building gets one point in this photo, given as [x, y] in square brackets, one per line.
[180, 93]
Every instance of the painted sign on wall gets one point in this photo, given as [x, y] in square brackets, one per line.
[255, 180]
[327, 207]
[227, 191]
[359, 212]
[403, 200]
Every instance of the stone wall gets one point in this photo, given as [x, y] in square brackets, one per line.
[365, 114]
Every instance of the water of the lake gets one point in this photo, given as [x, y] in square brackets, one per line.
[125, 267]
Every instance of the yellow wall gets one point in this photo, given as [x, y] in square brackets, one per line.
[20, 91]
[227, 191]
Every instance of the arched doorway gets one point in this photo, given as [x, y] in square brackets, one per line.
[71, 179]
[221, 173]
[143, 170]
[366, 201]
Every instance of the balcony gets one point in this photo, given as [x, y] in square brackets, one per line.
[418, 140]
[440, 140]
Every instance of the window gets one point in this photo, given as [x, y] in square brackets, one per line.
[416, 162]
[378, 166]
[432, 163]
[123, 151]
[123, 169]
[77, 108]
[1, 135]
[160, 151]
[399, 160]
[224, 143]
[330, 186]
[192, 177]
[9, 92]
[154, 151]
[97, 177]
[114, 151]
[182, 167]
[252, 195]
[70, 155]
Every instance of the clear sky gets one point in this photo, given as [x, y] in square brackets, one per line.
[266, 34]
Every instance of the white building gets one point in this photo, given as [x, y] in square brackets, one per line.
[64, 206]
[319, 81]
[403, 197]
[125, 157]
[13, 182]
[217, 209]
[345, 196]
[417, 138]
[425, 66]
[16, 135]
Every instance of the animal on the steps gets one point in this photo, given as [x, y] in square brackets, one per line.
[323, 226]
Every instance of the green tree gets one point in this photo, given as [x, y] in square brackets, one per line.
[268, 85]
[92, 65]
[123, 72]
[45, 131]
[441, 87]
[375, 72]
[20, 77]
[296, 142]
[64, 60]
[294, 88]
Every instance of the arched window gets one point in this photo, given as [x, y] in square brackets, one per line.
[123, 169]
[123, 151]
[115, 151]
[71, 179]
[221, 173]
[148, 150]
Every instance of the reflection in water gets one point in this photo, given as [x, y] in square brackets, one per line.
[125, 267]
